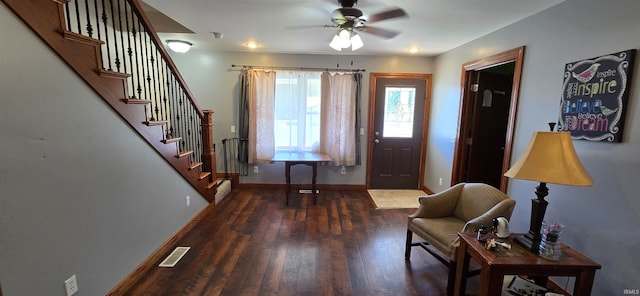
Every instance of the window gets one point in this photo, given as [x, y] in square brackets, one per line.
[297, 111]
[284, 111]
[399, 103]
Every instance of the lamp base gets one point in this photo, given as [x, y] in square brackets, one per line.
[532, 239]
[528, 241]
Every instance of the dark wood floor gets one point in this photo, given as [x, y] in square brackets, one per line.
[252, 244]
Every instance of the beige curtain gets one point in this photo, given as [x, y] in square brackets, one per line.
[338, 118]
[261, 95]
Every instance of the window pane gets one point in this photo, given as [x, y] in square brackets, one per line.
[399, 105]
[297, 111]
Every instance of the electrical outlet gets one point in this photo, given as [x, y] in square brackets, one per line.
[188, 200]
[255, 169]
[71, 285]
[233, 129]
[343, 170]
[440, 182]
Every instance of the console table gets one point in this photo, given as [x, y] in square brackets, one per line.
[519, 261]
[307, 158]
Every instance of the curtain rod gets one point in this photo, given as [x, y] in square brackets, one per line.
[299, 68]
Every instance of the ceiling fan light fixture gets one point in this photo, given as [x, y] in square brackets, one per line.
[345, 38]
[336, 43]
[356, 42]
[179, 46]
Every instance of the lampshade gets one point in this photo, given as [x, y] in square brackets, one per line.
[356, 42]
[336, 43]
[550, 158]
[179, 45]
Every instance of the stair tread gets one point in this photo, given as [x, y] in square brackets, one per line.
[195, 165]
[184, 153]
[155, 122]
[114, 74]
[212, 185]
[204, 175]
[171, 140]
[82, 38]
[136, 101]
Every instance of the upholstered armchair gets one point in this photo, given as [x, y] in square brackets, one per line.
[465, 207]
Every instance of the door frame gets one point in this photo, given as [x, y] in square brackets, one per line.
[425, 121]
[514, 55]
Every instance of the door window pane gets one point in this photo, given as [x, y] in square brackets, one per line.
[399, 105]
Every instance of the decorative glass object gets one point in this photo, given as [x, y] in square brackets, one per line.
[550, 244]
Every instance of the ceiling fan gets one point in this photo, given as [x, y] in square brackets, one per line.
[352, 19]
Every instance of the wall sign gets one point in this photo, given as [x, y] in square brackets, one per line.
[594, 97]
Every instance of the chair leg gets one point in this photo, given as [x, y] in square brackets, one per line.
[407, 248]
[452, 277]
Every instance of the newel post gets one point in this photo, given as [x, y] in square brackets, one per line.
[208, 153]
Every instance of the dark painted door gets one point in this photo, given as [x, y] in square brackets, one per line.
[398, 119]
[487, 135]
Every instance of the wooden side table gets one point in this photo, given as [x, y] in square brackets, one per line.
[519, 261]
[306, 158]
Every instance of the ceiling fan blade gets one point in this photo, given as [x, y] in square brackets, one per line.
[393, 13]
[303, 27]
[379, 32]
[338, 18]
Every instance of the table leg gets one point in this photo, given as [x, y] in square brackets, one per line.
[313, 181]
[462, 269]
[584, 282]
[287, 174]
[490, 281]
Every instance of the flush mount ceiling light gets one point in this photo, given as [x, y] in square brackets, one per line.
[179, 45]
[251, 45]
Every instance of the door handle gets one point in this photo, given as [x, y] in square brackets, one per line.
[376, 141]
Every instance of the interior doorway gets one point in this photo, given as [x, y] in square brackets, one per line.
[486, 122]
[398, 118]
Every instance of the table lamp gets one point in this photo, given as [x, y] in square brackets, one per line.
[549, 158]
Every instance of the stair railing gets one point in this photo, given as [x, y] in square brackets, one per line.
[234, 158]
[132, 47]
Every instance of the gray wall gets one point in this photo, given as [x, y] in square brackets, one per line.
[601, 221]
[215, 84]
[80, 192]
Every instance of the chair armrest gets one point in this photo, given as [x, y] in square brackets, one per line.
[441, 204]
[503, 208]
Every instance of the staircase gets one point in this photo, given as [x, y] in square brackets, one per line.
[112, 46]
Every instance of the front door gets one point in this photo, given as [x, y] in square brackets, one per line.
[399, 104]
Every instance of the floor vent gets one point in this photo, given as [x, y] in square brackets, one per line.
[174, 257]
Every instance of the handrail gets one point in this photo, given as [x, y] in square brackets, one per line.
[165, 55]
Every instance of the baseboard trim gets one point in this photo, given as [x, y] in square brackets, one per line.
[158, 255]
[427, 190]
[296, 187]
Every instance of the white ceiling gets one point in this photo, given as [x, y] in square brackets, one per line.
[434, 26]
